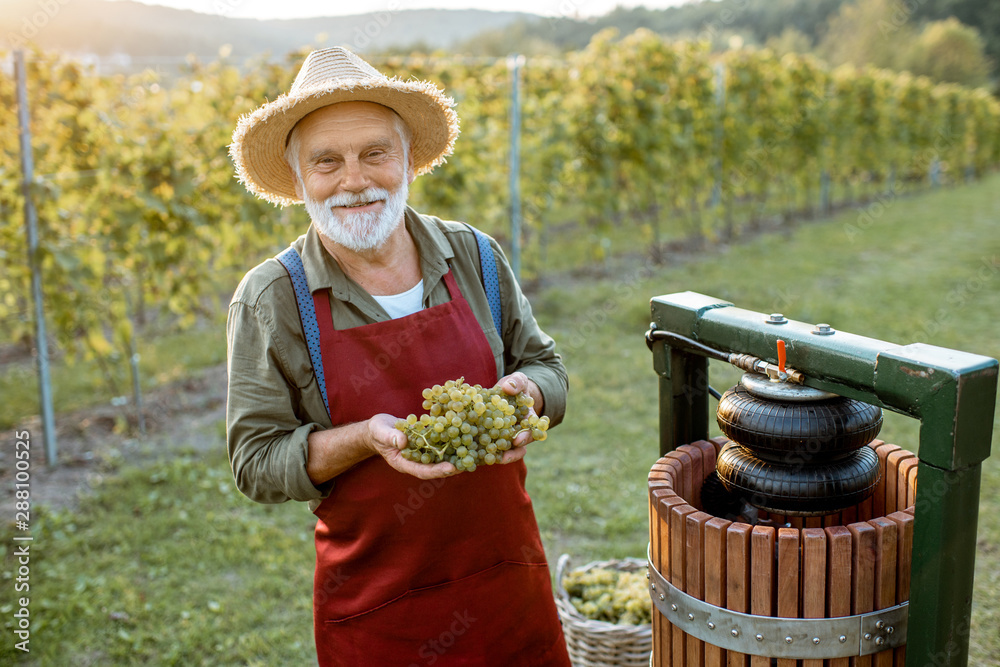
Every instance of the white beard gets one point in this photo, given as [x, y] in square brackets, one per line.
[359, 232]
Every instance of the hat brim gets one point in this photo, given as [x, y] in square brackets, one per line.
[258, 147]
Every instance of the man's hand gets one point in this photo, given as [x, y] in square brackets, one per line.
[335, 450]
[514, 384]
[388, 442]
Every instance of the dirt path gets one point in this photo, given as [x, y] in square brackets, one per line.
[185, 415]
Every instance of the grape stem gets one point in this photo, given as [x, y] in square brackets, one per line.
[428, 445]
[421, 436]
[439, 452]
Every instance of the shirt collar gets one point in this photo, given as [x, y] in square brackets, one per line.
[323, 271]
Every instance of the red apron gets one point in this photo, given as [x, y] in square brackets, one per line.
[417, 572]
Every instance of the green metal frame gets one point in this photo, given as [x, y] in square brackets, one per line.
[952, 393]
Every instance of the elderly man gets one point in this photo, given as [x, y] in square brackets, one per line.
[334, 339]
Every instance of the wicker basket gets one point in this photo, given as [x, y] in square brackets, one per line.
[598, 643]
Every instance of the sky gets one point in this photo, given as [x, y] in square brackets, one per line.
[288, 9]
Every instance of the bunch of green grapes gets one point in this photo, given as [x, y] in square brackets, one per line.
[612, 596]
[468, 425]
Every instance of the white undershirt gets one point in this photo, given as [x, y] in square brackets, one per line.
[406, 303]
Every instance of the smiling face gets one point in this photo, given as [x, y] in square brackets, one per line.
[353, 169]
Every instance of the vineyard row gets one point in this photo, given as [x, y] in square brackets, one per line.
[631, 142]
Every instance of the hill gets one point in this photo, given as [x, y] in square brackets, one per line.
[712, 20]
[108, 28]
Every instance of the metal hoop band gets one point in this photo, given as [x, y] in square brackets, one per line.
[774, 637]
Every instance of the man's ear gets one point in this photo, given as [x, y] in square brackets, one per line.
[298, 184]
[411, 173]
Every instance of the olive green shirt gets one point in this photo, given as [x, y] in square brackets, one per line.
[274, 398]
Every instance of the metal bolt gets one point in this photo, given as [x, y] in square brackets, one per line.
[816, 641]
[843, 639]
[824, 330]
[879, 641]
[868, 636]
[690, 617]
[711, 626]
[788, 640]
[662, 597]
[653, 586]
[776, 318]
[647, 574]
[673, 607]
[889, 630]
[759, 637]
[880, 625]
[735, 632]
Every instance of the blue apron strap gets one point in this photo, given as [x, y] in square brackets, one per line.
[290, 259]
[491, 281]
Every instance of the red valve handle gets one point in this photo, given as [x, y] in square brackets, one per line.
[781, 356]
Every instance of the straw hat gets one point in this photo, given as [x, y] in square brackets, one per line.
[329, 76]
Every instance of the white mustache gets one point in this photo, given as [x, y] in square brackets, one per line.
[358, 199]
[357, 230]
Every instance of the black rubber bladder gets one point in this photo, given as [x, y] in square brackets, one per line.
[799, 489]
[801, 431]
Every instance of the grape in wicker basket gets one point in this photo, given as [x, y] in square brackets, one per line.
[610, 595]
[468, 425]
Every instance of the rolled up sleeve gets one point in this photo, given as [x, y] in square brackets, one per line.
[266, 440]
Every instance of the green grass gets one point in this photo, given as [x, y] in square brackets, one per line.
[576, 239]
[78, 383]
[169, 565]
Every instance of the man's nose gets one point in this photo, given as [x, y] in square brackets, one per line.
[355, 179]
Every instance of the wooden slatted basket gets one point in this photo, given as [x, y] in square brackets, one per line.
[599, 643]
[852, 562]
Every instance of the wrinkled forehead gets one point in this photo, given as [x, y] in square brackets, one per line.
[348, 113]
